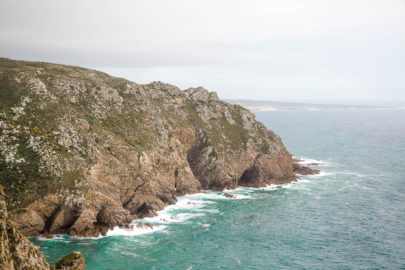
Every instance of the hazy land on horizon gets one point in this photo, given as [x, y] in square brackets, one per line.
[269, 105]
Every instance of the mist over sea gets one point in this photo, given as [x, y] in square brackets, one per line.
[351, 216]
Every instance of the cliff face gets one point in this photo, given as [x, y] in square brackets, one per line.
[17, 252]
[82, 152]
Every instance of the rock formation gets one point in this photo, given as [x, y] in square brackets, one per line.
[72, 261]
[304, 170]
[17, 252]
[82, 152]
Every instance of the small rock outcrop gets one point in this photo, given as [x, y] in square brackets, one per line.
[17, 252]
[72, 261]
[304, 170]
[82, 152]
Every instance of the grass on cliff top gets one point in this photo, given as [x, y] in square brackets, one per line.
[10, 90]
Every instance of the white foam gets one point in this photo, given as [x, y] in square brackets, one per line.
[188, 202]
[54, 237]
[220, 195]
[165, 217]
[239, 189]
[308, 161]
[303, 181]
[207, 195]
[193, 204]
[134, 231]
[272, 187]
[240, 196]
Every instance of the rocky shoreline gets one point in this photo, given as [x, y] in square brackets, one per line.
[84, 152]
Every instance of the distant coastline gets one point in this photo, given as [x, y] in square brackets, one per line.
[259, 105]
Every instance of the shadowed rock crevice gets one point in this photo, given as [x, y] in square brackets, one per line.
[49, 221]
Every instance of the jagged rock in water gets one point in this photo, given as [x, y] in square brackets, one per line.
[304, 170]
[83, 152]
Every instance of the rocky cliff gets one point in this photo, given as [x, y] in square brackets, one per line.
[82, 152]
[17, 252]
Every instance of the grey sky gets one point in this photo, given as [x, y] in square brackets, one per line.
[322, 51]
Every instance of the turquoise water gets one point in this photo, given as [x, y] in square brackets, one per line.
[351, 216]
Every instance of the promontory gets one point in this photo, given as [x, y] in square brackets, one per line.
[82, 151]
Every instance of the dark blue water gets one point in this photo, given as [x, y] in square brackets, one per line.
[351, 216]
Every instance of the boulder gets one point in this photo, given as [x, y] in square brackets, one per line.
[72, 261]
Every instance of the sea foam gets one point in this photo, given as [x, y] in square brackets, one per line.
[134, 231]
[307, 161]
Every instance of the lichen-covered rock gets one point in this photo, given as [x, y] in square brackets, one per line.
[82, 152]
[72, 261]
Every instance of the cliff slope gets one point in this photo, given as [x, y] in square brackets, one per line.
[82, 152]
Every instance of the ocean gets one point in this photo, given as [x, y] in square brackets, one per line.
[350, 216]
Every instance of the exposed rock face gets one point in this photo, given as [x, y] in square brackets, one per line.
[17, 252]
[82, 152]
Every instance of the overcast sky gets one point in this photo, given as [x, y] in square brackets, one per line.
[337, 52]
